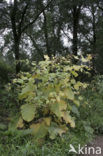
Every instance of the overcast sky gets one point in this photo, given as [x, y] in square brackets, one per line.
[9, 1]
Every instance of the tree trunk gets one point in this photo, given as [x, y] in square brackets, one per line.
[46, 35]
[76, 13]
[94, 29]
[19, 29]
[36, 46]
[17, 55]
[94, 36]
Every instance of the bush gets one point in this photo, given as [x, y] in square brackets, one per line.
[43, 103]
[51, 95]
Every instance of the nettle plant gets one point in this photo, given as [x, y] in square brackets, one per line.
[51, 96]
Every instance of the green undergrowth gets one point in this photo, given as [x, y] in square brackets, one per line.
[93, 113]
[18, 141]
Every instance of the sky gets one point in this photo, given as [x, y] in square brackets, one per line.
[9, 1]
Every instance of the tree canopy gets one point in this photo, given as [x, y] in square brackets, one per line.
[30, 29]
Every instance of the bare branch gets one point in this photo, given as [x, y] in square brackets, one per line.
[36, 46]
[29, 24]
[66, 35]
[13, 17]
[22, 18]
[98, 4]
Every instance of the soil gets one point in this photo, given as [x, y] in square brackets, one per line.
[97, 142]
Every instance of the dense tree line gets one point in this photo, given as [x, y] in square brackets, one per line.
[32, 28]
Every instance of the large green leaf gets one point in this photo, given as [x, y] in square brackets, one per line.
[58, 107]
[26, 91]
[55, 130]
[69, 93]
[68, 119]
[40, 129]
[28, 112]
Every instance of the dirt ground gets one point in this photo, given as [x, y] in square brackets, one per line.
[97, 142]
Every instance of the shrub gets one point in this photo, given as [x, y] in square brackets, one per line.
[51, 95]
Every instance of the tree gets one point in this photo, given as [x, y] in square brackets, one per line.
[76, 16]
[21, 18]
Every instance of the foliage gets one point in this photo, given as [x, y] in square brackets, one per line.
[50, 96]
[53, 31]
[5, 71]
[22, 143]
[88, 119]
[93, 113]
[98, 59]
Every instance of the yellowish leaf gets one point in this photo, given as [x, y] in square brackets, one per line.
[20, 123]
[89, 57]
[77, 102]
[74, 73]
[47, 121]
[39, 130]
[80, 98]
[69, 93]
[76, 67]
[73, 81]
[46, 57]
[84, 59]
[68, 119]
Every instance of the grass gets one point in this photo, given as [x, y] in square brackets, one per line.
[16, 145]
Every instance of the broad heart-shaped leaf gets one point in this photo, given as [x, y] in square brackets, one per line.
[55, 130]
[69, 93]
[39, 130]
[58, 107]
[68, 119]
[26, 91]
[28, 112]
